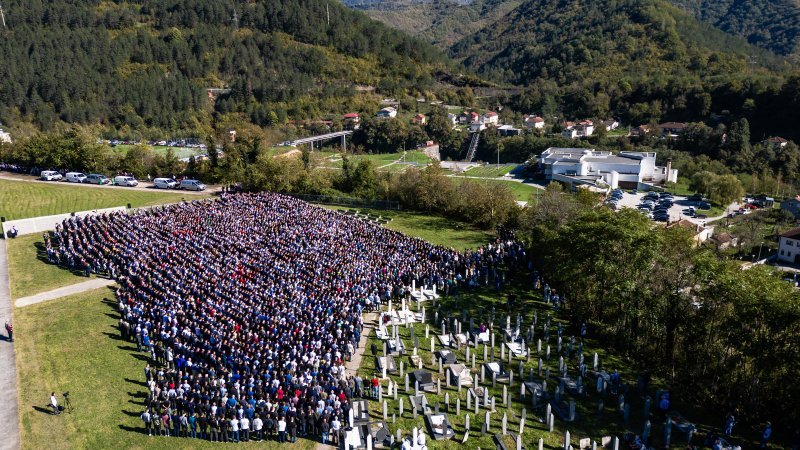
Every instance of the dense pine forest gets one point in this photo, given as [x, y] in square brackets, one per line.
[148, 63]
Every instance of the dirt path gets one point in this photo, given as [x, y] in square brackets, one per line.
[72, 289]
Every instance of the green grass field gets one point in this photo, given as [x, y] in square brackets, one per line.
[22, 199]
[490, 170]
[29, 271]
[381, 161]
[522, 192]
[434, 229]
[72, 344]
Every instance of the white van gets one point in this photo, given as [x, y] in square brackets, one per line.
[75, 177]
[51, 175]
[165, 183]
[125, 181]
[192, 185]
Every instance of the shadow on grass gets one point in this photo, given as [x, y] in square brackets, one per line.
[43, 410]
[140, 383]
[130, 413]
[114, 336]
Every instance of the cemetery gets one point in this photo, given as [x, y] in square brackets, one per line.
[516, 380]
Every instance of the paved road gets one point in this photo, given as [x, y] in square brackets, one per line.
[94, 283]
[9, 420]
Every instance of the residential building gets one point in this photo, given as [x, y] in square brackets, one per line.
[589, 166]
[789, 246]
[640, 131]
[476, 127]
[452, 118]
[700, 233]
[419, 119]
[724, 241]
[534, 122]
[672, 129]
[508, 130]
[569, 133]
[572, 130]
[352, 118]
[5, 136]
[792, 207]
[610, 124]
[388, 112]
[490, 119]
[776, 142]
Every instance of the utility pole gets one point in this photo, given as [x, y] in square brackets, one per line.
[328, 12]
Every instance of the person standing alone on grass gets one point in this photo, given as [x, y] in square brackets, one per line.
[54, 403]
[10, 331]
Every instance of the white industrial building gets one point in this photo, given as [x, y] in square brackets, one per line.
[633, 170]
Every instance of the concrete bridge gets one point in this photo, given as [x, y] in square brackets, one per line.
[323, 137]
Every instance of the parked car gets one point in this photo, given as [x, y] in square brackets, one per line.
[165, 183]
[123, 180]
[51, 175]
[96, 178]
[75, 177]
[192, 185]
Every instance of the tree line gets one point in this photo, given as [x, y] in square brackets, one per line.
[722, 337]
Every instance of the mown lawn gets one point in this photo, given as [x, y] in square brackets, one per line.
[23, 199]
[29, 271]
[72, 344]
[521, 191]
[434, 229]
[490, 170]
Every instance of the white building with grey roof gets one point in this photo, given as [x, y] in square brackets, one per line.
[596, 167]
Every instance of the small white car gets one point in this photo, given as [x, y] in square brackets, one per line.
[51, 175]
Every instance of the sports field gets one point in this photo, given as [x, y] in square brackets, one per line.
[490, 170]
[43, 199]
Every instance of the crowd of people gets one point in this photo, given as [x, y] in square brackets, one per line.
[249, 306]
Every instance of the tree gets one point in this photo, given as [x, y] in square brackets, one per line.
[725, 189]
[703, 182]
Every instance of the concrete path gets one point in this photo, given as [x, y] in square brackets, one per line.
[94, 283]
[9, 419]
[370, 319]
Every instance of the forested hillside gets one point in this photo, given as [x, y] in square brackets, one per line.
[639, 60]
[442, 22]
[770, 24]
[148, 63]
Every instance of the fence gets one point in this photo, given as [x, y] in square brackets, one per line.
[348, 201]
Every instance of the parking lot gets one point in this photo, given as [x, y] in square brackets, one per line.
[679, 210]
